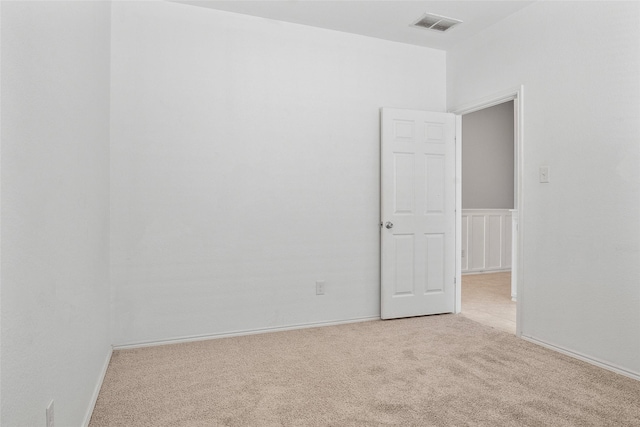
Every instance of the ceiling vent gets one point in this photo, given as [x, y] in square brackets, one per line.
[429, 21]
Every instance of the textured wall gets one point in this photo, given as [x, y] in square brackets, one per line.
[55, 208]
[245, 166]
[582, 120]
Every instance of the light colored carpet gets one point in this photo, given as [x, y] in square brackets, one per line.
[486, 298]
[442, 370]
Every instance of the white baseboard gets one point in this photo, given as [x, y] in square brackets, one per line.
[180, 340]
[584, 358]
[470, 272]
[96, 391]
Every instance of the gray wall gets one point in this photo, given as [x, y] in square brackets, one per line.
[487, 158]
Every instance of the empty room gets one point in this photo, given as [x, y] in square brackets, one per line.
[250, 213]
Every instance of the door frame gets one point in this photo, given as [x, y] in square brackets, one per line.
[517, 96]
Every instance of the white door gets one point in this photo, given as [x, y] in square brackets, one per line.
[417, 213]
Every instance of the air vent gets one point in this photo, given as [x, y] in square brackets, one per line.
[429, 21]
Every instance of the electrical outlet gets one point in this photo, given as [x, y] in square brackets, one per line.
[320, 287]
[50, 414]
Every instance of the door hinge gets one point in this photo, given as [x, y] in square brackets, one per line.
[455, 280]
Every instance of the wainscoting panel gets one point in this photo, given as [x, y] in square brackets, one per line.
[486, 240]
[477, 244]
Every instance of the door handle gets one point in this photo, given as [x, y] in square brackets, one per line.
[389, 225]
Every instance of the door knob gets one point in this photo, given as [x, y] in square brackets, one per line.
[389, 225]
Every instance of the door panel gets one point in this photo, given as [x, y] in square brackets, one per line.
[404, 257]
[434, 263]
[404, 196]
[417, 213]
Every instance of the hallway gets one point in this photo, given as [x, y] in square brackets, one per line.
[486, 299]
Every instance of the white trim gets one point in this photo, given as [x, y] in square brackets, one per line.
[488, 101]
[0, 223]
[576, 355]
[518, 114]
[180, 340]
[473, 272]
[517, 96]
[488, 210]
[96, 391]
[458, 223]
[514, 253]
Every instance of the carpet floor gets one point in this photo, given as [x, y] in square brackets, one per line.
[441, 370]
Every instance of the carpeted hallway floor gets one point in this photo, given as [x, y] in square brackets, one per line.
[444, 370]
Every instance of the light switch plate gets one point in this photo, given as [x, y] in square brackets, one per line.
[544, 174]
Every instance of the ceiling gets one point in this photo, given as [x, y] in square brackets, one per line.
[389, 20]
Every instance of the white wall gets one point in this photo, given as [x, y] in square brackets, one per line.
[487, 158]
[245, 166]
[582, 119]
[55, 184]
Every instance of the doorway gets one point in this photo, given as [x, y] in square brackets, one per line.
[489, 209]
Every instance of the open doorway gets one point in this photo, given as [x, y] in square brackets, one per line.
[488, 194]
[487, 211]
